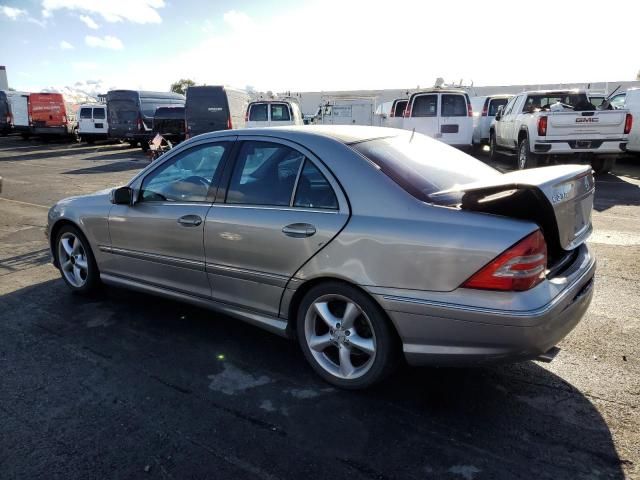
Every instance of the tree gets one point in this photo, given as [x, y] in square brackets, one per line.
[181, 85]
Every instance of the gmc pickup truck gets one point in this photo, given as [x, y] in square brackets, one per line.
[561, 125]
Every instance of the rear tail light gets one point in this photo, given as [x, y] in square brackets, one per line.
[9, 119]
[519, 268]
[229, 125]
[628, 123]
[407, 111]
[469, 109]
[542, 125]
[246, 116]
[485, 108]
[139, 124]
[64, 119]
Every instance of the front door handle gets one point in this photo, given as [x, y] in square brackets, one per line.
[190, 221]
[299, 230]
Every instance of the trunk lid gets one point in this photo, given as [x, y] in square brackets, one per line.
[591, 123]
[559, 199]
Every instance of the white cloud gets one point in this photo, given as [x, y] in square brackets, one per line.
[89, 22]
[12, 12]
[237, 20]
[64, 45]
[135, 11]
[107, 41]
[83, 66]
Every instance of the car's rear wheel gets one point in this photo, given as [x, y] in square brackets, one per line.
[526, 159]
[345, 336]
[76, 261]
[493, 148]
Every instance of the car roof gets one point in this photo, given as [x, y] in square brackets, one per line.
[342, 133]
[557, 90]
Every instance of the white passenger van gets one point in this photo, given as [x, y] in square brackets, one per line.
[92, 122]
[484, 112]
[273, 113]
[443, 114]
[347, 111]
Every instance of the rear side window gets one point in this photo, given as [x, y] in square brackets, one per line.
[258, 112]
[280, 112]
[421, 165]
[98, 113]
[264, 174]
[314, 190]
[425, 106]
[85, 113]
[495, 104]
[454, 105]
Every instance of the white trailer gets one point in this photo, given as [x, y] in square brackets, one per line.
[347, 111]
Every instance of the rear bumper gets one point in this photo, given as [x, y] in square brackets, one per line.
[435, 333]
[594, 146]
[50, 131]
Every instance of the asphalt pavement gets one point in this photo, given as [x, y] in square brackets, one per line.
[126, 385]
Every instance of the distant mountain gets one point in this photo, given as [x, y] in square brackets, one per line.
[80, 92]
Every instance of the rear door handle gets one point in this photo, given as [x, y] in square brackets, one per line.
[190, 221]
[299, 230]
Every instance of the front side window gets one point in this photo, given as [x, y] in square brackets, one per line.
[85, 113]
[454, 106]
[425, 106]
[187, 177]
[258, 112]
[280, 112]
[264, 174]
[98, 113]
[314, 190]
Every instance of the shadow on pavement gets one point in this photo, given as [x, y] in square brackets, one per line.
[105, 386]
[122, 166]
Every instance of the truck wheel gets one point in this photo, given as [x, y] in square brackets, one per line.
[132, 143]
[526, 159]
[493, 148]
[602, 166]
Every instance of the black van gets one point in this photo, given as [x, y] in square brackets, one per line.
[169, 122]
[213, 108]
[130, 113]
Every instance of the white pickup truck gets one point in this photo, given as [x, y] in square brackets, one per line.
[559, 124]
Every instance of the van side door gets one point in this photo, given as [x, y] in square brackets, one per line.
[501, 125]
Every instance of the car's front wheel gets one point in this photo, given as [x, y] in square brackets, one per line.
[345, 336]
[76, 261]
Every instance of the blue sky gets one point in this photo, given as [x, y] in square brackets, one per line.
[311, 45]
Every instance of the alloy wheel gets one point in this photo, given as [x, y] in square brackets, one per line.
[73, 261]
[522, 157]
[340, 336]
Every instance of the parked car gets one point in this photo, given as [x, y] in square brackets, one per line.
[130, 113]
[485, 109]
[92, 122]
[272, 113]
[363, 243]
[18, 103]
[48, 115]
[444, 114]
[347, 111]
[561, 123]
[632, 105]
[169, 123]
[213, 108]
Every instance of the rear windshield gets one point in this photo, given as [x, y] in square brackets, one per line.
[422, 165]
[454, 106]
[495, 104]
[425, 106]
[98, 113]
[545, 100]
[206, 103]
[280, 112]
[85, 113]
[258, 112]
[398, 110]
[122, 111]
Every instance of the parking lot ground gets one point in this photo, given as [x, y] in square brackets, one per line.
[126, 385]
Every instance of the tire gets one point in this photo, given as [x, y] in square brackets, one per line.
[144, 146]
[354, 360]
[82, 275]
[526, 159]
[494, 155]
[602, 166]
[132, 143]
[25, 136]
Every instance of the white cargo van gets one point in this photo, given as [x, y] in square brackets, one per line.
[396, 114]
[347, 111]
[442, 114]
[92, 123]
[19, 107]
[484, 112]
[272, 113]
[632, 104]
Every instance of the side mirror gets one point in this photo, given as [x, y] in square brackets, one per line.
[499, 113]
[122, 196]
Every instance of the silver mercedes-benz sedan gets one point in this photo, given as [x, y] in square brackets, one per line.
[367, 244]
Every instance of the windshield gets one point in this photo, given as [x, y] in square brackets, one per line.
[422, 165]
